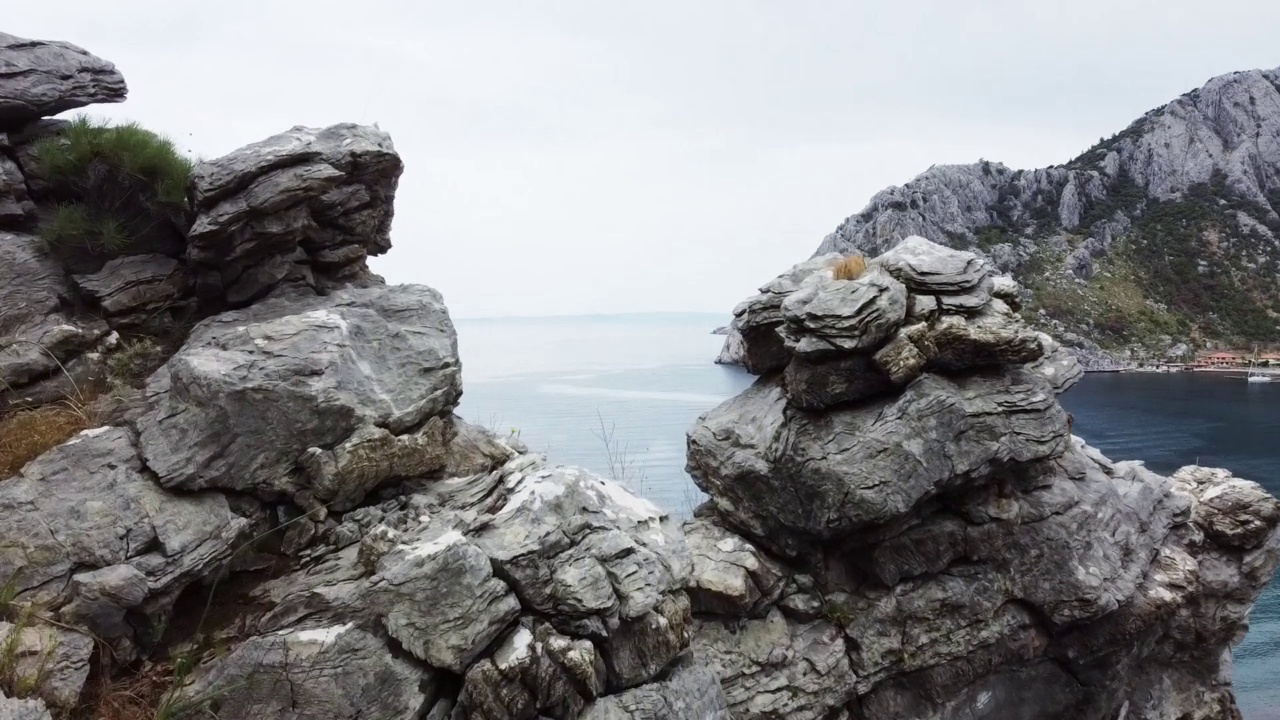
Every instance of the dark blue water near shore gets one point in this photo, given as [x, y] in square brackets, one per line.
[555, 381]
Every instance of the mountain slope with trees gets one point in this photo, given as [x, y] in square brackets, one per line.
[1166, 233]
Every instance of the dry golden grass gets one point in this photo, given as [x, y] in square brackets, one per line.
[26, 434]
[133, 696]
[849, 267]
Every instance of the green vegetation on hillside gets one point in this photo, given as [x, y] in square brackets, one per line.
[1112, 308]
[1185, 269]
[1196, 258]
[112, 183]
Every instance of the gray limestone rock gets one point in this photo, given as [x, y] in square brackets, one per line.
[447, 570]
[691, 691]
[757, 319]
[927, 267]
[133, 284]
[642, 647]
[440, 599]
[51, 660]
[900, 359]
[776, 668]
[783, 475]
[16, 208]
[106, 512]
[332, 590]
[821, 384]
[1234, 513]
[475, 450]
[1007, 289]
[372, 455]
[1057, 365]
[730, 575]
[833, 316]
[36, 333]
[314, 672]
[572, 543]
[535, 671]
[248, 396]
[320, 199]
[101, 600]
[42, 77]
[734, 350]
[954, 344]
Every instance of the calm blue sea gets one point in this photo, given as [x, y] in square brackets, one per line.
[616, 394]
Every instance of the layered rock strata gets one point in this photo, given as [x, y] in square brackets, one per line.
[901, 524]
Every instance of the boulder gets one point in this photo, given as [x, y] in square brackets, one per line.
[308, 204]
[955, 345]
[544, 588]
[109, 513]
[439, 598]
[932, 269]
[43, 77]
[734, 350]
[757, 319]
[1061, 368]
[314, 672]
[817, 384]
[783, 474]
[303, 394]
[730, 575]
[1234, 513]
[835, 316]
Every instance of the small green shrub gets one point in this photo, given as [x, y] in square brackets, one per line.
[134, 362]
[112, 183]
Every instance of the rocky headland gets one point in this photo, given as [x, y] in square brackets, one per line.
[262, 504]
[1162, 238]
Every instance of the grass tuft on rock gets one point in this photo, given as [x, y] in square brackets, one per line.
[133, 363]
[849, 267]
[130, 148]
[113, 180]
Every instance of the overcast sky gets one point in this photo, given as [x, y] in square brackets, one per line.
[588, 156]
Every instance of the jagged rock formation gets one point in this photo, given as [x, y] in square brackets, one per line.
[1168, 230]
[900, 524]
[40, 78]
[315, 202]
[924, 536]
[300, 211]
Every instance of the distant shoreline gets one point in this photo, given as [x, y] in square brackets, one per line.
[1241, 372]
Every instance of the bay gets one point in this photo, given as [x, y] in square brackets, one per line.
[616, 394]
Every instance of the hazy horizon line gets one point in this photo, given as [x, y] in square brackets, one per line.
[631, 313]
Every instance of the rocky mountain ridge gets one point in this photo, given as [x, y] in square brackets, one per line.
[284, 518]
[1166, 233]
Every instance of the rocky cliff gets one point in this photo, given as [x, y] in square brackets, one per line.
[1165, 233]
[281, 517]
